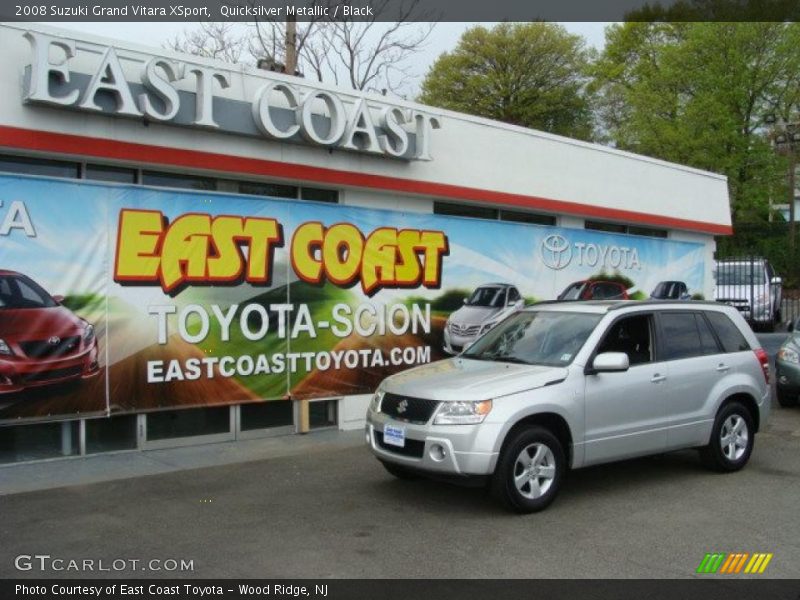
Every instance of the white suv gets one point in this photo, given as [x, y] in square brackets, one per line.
[560, 386]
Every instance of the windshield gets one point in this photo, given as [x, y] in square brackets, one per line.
[492, 297]
[20, 292]
[573, 292]
[547, 338]
[740, 274]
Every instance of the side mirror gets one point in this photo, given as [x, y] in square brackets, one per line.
[776, 281]
[610, 362]
[59, 299]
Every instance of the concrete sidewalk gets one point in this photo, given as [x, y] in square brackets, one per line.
[48, 474]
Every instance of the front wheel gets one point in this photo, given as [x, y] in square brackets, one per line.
[529, 471]
[732, 439]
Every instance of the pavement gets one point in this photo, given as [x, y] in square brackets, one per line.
[324, 507]
[320, 505]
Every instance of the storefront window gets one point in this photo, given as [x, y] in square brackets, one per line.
[275, 190]
[526, 217]
[38, 441]
[106, 173]
[322, 413]
[263, 415]
[174, 180]
[319, 195]
[114, 433]
[621, 228]
[464, 210]
[22, 165]
[188, 423]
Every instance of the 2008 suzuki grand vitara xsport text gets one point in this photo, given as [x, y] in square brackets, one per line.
[567, 385]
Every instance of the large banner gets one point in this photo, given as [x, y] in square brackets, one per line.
[118, 298]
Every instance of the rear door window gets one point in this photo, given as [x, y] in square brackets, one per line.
[680, 336]
[707, 339]
[729, 335]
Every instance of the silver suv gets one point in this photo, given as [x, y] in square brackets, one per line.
[752, 287]
[563, 386]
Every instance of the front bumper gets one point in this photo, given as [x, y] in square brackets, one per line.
[455, 344]
[438, 449]
[787, 376]
[18, 375]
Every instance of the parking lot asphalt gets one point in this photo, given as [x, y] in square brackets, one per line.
[332, 511]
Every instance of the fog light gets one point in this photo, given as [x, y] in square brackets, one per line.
[783, 379]
[437, 452]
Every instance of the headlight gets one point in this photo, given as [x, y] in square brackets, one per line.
[487, 327]
[88, 332]
[375, 403]
[4, 349]
[462, 413]
[789, 355]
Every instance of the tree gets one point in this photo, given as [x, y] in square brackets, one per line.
[698, 94]
[367, 54]
[212, 40]
[528, 74]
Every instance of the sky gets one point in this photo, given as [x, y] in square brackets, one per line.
[444, 37]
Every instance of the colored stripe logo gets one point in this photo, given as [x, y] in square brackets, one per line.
[733, 563]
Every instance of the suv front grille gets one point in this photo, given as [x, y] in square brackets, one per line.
[412, 410]
[413, 448]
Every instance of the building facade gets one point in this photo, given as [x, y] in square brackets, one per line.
[192, 218]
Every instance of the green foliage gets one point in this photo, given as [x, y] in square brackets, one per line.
[697, 94]
[85, 302]
[449, 301]
[528, 74]
[770, 240]
[614, 277]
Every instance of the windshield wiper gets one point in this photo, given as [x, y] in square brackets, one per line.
[513, 359]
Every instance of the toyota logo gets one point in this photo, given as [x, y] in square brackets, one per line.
[54, 340]
[556, 251]
[402, 406]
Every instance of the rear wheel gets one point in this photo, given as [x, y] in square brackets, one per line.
[785, 399]
[399, 471]
[529, 471]
[732, 439]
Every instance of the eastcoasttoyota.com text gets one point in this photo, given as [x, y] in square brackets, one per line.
[382, 299]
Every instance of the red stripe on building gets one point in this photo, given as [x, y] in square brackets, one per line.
[61, 143]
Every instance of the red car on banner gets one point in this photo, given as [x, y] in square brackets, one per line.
[41, 341]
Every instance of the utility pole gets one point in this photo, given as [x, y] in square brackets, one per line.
[291, 45]
[792, 168]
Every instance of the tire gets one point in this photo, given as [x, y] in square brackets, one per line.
[529, 471]
[785, 399]
[724, 456]
[400, 471]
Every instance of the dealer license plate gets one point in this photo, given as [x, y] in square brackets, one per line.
[394, 436]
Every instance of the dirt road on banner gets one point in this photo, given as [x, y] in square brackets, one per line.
[129, 388]
[364, 380]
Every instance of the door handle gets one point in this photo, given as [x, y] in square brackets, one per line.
[722, 368]
[658, 378]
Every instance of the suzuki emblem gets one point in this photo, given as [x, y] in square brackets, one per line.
[54, 340]
[402, 406]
